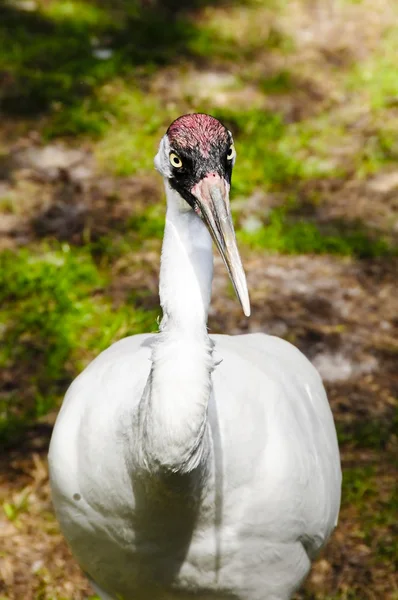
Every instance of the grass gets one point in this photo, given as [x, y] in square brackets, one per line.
[131, 142]
[54, 317]
[261, 157]
[379, 150]
[286, 234]
[375, 434]
[375, 510]
[358, 485]
[280, 82]
[376, 77]
[282, 232]
[57, 58]
[50, 59]
[148, 224]
[241, 33]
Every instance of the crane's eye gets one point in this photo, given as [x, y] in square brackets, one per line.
[175, 160]
[231, 152]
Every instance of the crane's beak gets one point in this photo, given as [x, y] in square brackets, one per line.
[212, 195]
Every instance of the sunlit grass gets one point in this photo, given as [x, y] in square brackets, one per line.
[281, 232]
[82, 14]
[58, 56]
[376, 77]
[261, 160]
[131, 142]
[54, 317]
[284, 233]
[240, 33]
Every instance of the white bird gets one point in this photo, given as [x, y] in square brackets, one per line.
[185, 465]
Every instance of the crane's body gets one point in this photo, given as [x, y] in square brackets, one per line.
[251, 517]
[185, 465]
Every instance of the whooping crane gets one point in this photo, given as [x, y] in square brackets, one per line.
[185, 465]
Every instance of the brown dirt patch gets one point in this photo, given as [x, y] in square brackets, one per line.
[372, 203]
[55, 191]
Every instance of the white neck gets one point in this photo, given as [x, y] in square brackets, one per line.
[173, 410]
[186, 270]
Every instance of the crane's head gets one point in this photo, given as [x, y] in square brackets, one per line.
[196, 156]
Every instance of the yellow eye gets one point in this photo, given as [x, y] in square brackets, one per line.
[231, 152]
[175, 160]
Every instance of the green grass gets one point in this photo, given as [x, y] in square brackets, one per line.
[131, 143]
[379, 150]
[56, 59]
[142, 228]
[49, 59]
[375, 511]
[221, 37]
[284, 233]
[371, 489]
[358, 485]
[280, 82]
[149, 224]
[376, 77]
[51, 66]
[261, 159]
[368, 433]
[54, 317]
[52, 62]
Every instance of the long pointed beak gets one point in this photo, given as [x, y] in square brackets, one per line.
[212, 195]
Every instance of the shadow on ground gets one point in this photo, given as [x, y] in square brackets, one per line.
[55, 60]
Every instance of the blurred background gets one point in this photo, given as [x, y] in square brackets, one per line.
[310, 90]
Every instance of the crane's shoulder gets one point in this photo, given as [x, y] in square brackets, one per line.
[267, 351]
[114, 378]
[120, 362]
[88, 427]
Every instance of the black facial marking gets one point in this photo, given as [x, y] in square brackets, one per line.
[195, 166]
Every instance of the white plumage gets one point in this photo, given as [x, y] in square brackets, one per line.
[192, 466]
